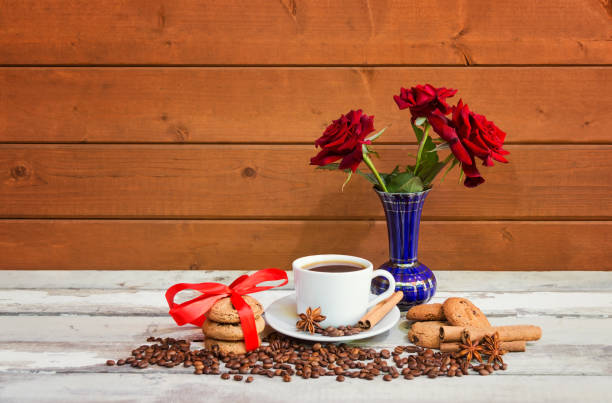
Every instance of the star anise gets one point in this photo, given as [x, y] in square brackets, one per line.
[492, 348]
[470, 350]
[309, 321]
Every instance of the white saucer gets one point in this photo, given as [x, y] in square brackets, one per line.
[281, 316]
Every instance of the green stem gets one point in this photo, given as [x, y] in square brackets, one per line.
[421, 145]
[370, 165]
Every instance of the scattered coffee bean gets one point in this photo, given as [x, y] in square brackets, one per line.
[285, 357]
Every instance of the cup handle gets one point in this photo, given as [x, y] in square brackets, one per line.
[389, 291]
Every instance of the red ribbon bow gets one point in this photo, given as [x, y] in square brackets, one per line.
[193, 311]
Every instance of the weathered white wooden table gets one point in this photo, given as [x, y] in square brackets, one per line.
[57, 329]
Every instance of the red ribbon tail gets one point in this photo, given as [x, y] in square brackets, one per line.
[247, 321]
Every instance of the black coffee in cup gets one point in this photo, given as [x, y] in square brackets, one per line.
[334, 267]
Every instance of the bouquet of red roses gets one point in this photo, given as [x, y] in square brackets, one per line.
[468, 135]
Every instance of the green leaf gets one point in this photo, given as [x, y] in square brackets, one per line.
[413, 185]
[429, 174]
[398, 181]
[388, 177]
[418, 133]
[427, 158]
[420, 121]
[330, 167]
[369, 176]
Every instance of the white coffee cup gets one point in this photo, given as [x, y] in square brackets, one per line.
[343, 297]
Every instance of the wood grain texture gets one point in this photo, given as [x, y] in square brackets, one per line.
[586, 304]
[217, 181]
[22, 350]
[303, 32]
[183, 105]
[63, 388]
[152, 244]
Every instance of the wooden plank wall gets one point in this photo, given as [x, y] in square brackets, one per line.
[177, 134]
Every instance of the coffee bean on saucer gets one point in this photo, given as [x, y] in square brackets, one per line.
[110, 362]
[249, 379]
[237, 377]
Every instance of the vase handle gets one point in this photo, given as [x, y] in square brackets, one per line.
[388, 292]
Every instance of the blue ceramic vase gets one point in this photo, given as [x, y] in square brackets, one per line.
[417, 281]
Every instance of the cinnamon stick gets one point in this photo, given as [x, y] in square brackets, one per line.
[451, 333]
[425, 334]
[506, 333]
[374, 315]
[508, 346]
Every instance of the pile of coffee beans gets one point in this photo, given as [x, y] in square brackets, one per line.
[285, 358]
[339, 331]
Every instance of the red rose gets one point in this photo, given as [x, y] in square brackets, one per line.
[486, 140]
[343, 139]
[424, 100]
[447, 130]
[470, 135]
